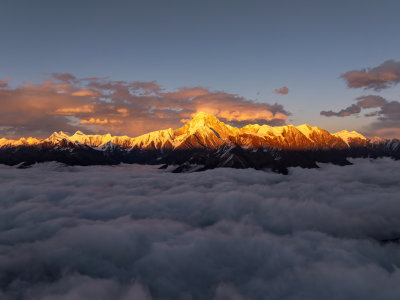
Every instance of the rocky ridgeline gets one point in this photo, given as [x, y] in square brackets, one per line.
[203, 143]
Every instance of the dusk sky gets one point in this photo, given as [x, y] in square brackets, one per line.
[128, 67]
[131, 165]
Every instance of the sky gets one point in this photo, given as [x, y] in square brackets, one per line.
[129, 67]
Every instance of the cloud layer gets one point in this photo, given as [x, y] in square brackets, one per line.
[383, 76]
[136, 232]
[99, 105]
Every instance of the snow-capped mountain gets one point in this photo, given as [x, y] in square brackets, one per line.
[202, 143]
[206, 131]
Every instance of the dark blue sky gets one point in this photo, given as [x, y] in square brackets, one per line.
[248, 48]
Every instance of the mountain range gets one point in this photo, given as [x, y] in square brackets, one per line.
[203, 143]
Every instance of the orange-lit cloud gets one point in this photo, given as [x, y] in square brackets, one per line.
[96, 105]
[282, 91]
[229, 108]
[74, 110]
[187, 93]
[99, 121]
[85, 92]
[4, 82]
[123, 111]
[64, 77]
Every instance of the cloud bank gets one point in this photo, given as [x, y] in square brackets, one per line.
[65, 102]
[381, 77]
[136, 232]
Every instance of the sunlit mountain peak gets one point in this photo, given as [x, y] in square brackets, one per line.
[59, 134]
[206, 131]
[203, 119]
[79, 133]
[347, 136]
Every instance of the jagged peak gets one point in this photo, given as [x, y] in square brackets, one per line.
[376, 139]
[307, 130]
[202, 122]
[59, 133]
[58, 136]
[349, 134]
[202, 118]
[20, 141]
[209, 130]
[251, 126]
[79, 133]
[202, 114]
[304, 126]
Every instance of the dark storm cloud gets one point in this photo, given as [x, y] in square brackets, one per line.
[136, 232]
[282, 91]
[100, 105]
[348, 111]
[377, 78]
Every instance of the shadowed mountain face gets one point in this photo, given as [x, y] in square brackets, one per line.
[203, 143]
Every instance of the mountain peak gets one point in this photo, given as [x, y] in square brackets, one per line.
[206, 131]
[304, 126]
[58, 136]
[203, 119]
[204, 116]
[79, 133]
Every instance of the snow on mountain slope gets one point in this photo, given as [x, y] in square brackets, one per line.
[349, 136]
[21, 142]
[206, 131]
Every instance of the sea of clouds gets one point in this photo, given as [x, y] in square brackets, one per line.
[137, 232]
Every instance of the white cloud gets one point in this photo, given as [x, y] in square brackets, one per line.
[136, 231]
